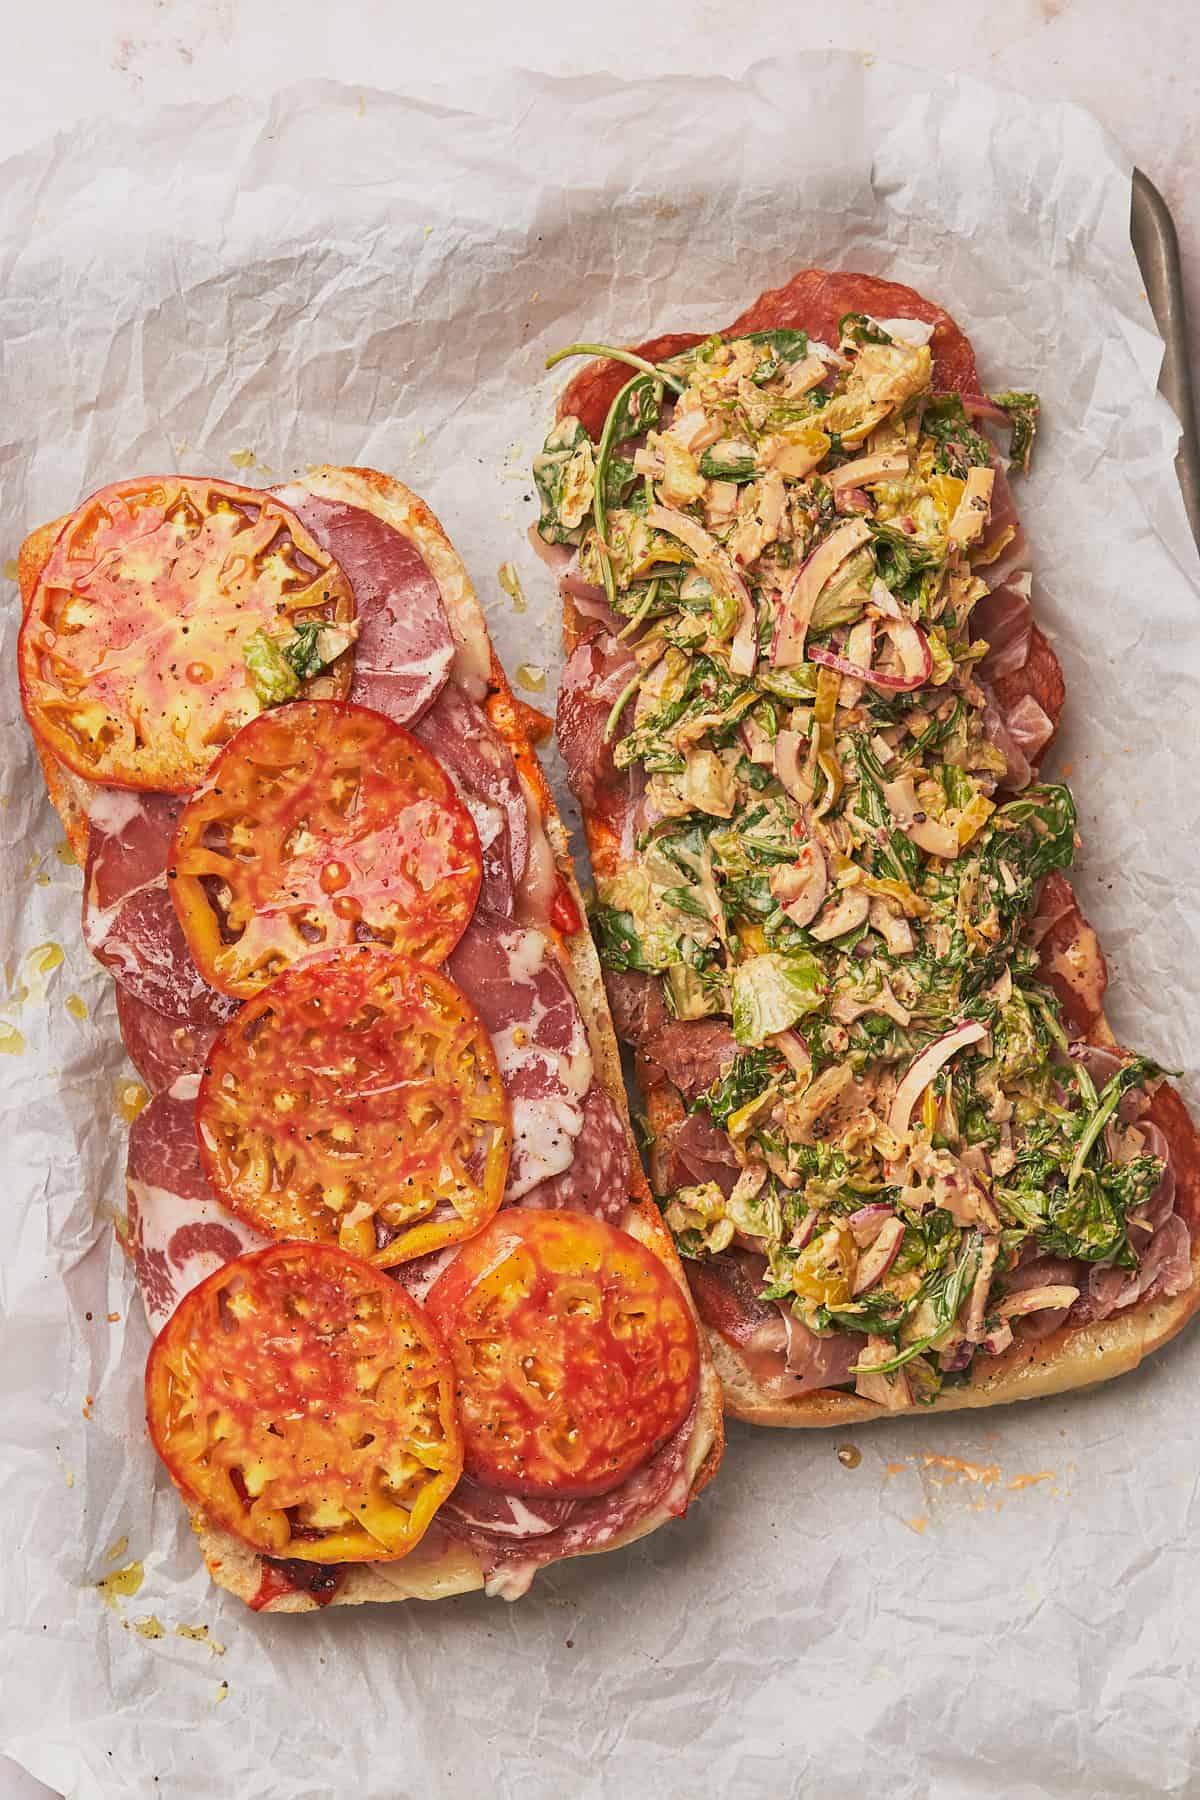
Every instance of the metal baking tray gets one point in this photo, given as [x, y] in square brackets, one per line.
[1156, 246]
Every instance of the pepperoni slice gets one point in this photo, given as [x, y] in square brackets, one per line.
[358, 1101]
[574, 1349]
[306, 1403]
[131, 654]
[321, 824]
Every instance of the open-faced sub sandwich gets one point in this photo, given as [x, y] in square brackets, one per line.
[803, 713]
[420, 1327]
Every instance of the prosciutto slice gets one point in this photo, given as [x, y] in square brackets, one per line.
[179, 1232]
[784, 1358]
[693, 1053]
[404, 649]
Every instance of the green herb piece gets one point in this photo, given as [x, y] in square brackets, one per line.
[959, 446]
[1023, 413]
[859, 329]
[616, 940]
[274, 678]
[629, 357]
[747, 1075]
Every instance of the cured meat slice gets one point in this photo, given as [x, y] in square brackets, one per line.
[636, 1002]
[513, 978]
[179, 1232]
[782, 1356]
[814, 300]
[129, 922]
[511, 1557]
[596, 672]
[161, 1047]
[481, 766]
[597, 1180]
[404, 648]
[693, 1053]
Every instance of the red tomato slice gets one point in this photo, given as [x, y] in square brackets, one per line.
[321, 824]
[574, 1348]
[305, 1402]
[131, 654]
[357, 1100]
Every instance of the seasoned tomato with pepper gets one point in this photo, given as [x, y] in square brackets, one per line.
[137, 654]
[321, 824]
[574, 1350]
[357, 1100]
[306, 1403]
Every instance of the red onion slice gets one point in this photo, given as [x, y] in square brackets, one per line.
[912, 649]
[922, 1072]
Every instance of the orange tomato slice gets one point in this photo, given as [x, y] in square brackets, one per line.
[131, 654]
[304, 1401]
[321, 824]
[574, 1349]
[357, 1100]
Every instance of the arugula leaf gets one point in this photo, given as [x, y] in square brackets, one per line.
[862, 330]
[785, 347]
[617, 943]
[1023, 412]
[945, 1292]
[619, 477]
[745, 1078]
[897, 857]
[1135, 1073]
[737, 468]
[1086, 1221]
[1049, 842]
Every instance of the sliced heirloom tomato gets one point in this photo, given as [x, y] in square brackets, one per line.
[321, 824]
[574, 1349]
[305, 1402]
[357, 1100]
[132, 651]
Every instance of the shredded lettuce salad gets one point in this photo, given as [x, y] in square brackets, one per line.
[794, 538]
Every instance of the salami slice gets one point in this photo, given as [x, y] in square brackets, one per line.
[597, 1180]
[129, 923]
[179, 1232]
[511, 1558]
[512, 977]
[404, 649]
[481, 766]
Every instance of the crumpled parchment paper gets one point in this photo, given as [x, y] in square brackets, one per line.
[986, 1603]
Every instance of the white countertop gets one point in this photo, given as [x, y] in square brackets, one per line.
[1136, 67]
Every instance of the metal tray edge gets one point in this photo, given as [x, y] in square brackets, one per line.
[1156, 246]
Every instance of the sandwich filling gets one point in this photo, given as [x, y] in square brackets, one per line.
[830, 881]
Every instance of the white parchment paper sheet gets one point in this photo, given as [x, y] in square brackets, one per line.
[987, 1603]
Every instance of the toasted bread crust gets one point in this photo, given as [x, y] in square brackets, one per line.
[445, 1568]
